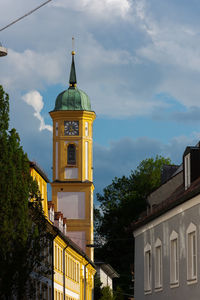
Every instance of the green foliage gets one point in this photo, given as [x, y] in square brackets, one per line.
[106, 294]
[23, 234]
[118, 295]
[97, 287]
[120, 204]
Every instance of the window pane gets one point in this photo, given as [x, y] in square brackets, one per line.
[71, 154]
[192, 256]
[147, 270]
[158, 266]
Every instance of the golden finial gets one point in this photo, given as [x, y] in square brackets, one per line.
[73, 52]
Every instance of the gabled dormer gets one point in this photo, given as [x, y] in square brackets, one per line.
[191, 163]
[58, 220]
[51, 211]
[64, 226]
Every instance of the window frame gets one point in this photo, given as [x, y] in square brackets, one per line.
[71, 162]
[174, 259]
[187, 170]
[147, 269]
[191, 240]
[158, 265]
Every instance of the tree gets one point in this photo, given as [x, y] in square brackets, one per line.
[23, 235]
[97, 287]
[118, 295]
[106, 293]
[120, 204]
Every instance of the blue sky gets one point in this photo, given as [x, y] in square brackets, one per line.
[138, 60]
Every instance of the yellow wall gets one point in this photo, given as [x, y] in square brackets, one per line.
[42, 184]
[58, 137]
[83, 180]
[66, 259]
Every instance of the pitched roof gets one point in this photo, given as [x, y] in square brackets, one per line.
[107, 269]
[35, 166]
[179, 196]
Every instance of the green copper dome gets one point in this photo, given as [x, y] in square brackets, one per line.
[72, 98]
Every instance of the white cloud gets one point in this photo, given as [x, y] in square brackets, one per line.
[122, 64]
[31, 69]
[172, 44]
[98, 8]
[34, 99]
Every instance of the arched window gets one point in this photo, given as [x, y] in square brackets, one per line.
[147, 268]
[71, 154]
[174, 259]
[192, 252]
[158, 264]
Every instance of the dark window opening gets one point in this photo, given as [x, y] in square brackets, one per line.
[71, 154]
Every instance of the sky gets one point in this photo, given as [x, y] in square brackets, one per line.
[138, 60]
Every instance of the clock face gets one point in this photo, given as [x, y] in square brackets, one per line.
[71, 128]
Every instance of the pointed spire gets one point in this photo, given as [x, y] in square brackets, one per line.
[72, 78]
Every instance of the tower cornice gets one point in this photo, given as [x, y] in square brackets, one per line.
[62, 114]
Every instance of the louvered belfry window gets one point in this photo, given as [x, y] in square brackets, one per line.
[71, 154]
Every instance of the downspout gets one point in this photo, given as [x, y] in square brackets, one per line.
[85, 280]
[52, 268]
[64, 270]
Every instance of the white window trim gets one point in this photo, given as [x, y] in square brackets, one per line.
[86, 160]
[158, 266]
[147, 270]
[187, 167]
[174, 261]
[60, 224]
[86, 129]
[191, 232]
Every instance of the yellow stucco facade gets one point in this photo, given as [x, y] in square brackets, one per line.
[72, 186]
[41, 179]
[73, 273]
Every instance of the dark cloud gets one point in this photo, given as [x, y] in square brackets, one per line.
[191, 115]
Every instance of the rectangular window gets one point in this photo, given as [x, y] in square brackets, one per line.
[55, 257]
[86, 160]
[192, 256]
[174, 263]
[56, 158]
[147, 271]
[68, 270]
[56, 128]
[75, 266]
[66, 265]
[78, 273]
[158, 267]
[61, 258]
[58, 258]
[71, 268]
[187, 171]
[86, 128]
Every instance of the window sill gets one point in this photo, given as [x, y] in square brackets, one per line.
[174, 284]
[158, 289]
[147, 292]
[71, 166]
[191, 281]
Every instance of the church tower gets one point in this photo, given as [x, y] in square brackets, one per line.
[72, 186]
